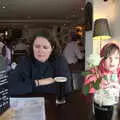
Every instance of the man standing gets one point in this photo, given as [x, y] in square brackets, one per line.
[73, 54]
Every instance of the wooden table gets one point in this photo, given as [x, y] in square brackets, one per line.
[75, 108]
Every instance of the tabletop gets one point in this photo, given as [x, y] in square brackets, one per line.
[75, 108]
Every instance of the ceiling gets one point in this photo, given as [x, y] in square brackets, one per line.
[42, 11]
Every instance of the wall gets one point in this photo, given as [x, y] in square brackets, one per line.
[102, 10]
[116, 22]
[109, 10]
[28, 31]
[61, 36]
[88, 46]
[88, 42]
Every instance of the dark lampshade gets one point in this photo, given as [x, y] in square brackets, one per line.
[101, 30]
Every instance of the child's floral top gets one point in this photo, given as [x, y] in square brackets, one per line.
[103, 83]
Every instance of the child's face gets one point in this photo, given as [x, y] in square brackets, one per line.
[113, 61]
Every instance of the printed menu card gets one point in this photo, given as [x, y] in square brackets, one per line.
[28, 108]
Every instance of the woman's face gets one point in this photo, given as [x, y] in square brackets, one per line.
[42, 49]
[113, 61]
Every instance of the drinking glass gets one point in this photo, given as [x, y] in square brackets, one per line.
[60, 85]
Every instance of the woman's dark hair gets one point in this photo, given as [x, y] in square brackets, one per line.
[55, 44]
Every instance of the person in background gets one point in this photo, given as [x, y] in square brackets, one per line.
[2, 60]
[20, 45]
[20, 49]
[36, 73]
[7, 54]
[74, 55]
[72, 51]
[108, 94]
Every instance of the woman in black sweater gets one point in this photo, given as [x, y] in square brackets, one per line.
[36, 72]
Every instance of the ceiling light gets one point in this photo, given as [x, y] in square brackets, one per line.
[6, 33]
[101, 29]
[3, 7]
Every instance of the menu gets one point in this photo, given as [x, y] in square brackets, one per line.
[28, 108]
[4, 97]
